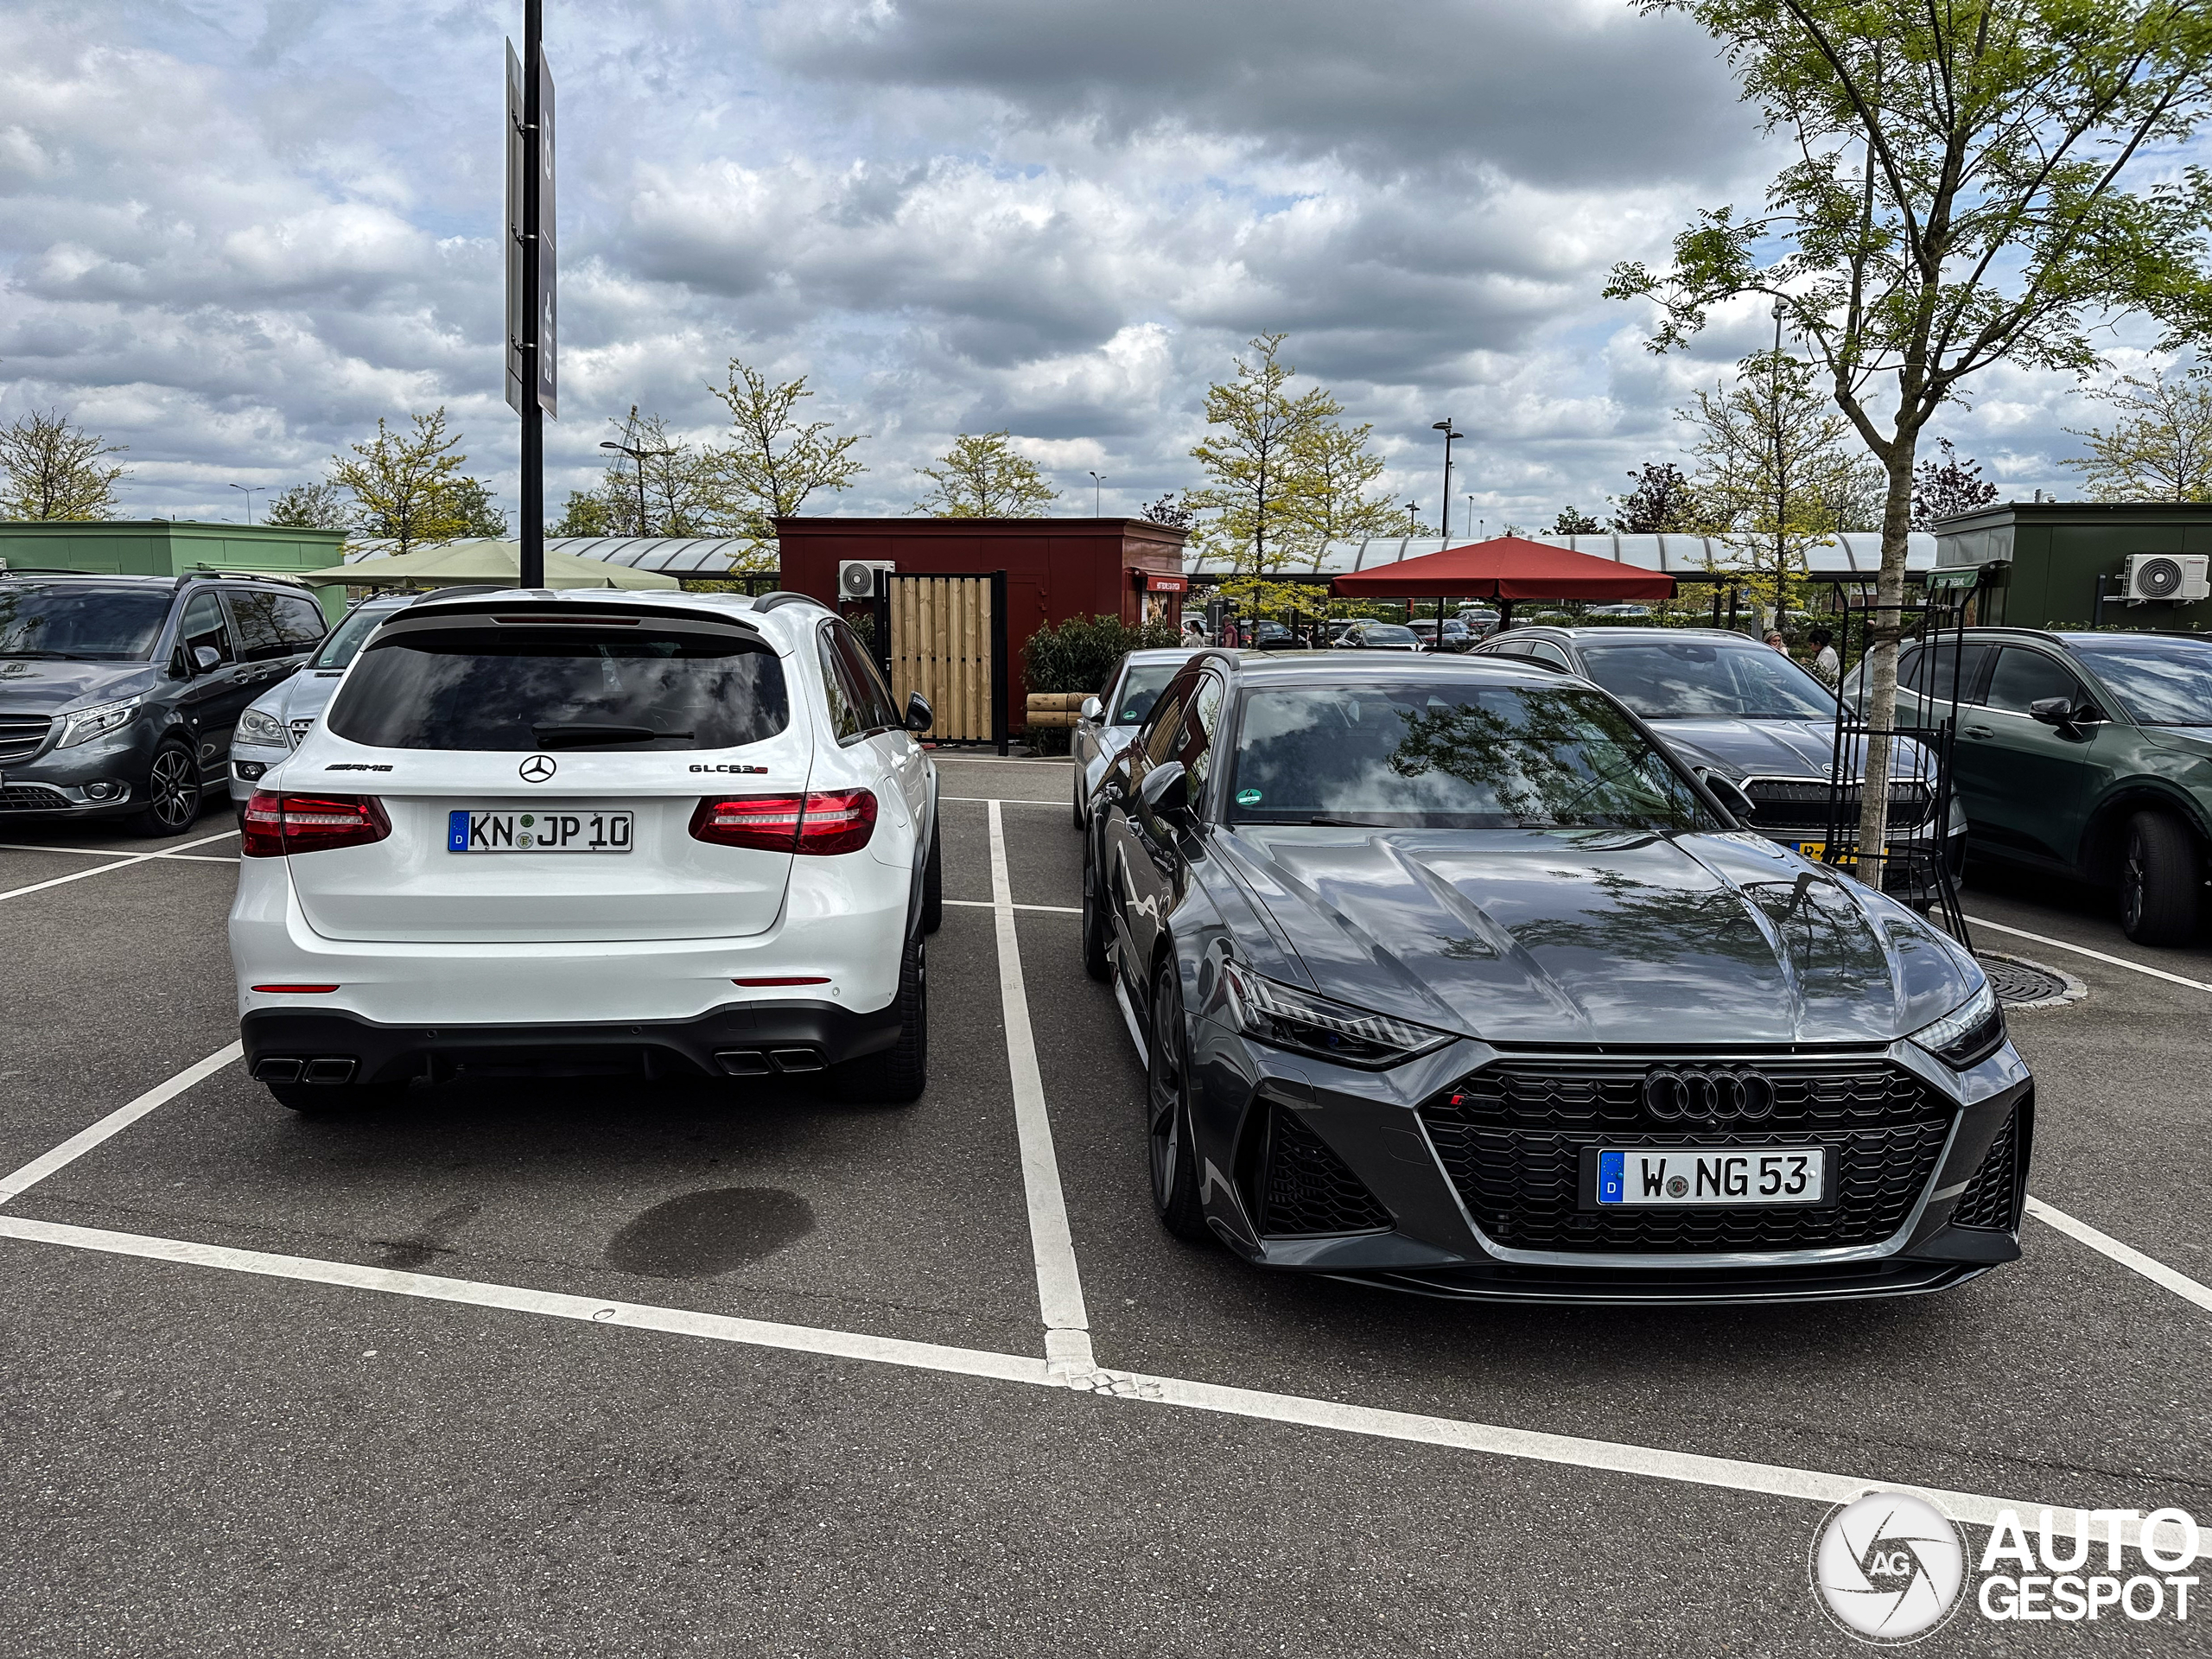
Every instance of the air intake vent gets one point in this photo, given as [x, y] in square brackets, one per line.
[1992, 1200]
[1306, 1188]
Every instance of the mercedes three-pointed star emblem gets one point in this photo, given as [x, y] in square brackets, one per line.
[537, 768]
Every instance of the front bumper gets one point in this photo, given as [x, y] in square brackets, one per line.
[97, 780]
[1391, 1214]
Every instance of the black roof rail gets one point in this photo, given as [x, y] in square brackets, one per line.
[453, 593]
[209, 573]
[782, 597]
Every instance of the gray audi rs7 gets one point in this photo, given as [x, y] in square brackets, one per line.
[1449, 977]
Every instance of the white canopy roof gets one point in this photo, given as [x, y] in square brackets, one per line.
[675, 555]
[1691, 557]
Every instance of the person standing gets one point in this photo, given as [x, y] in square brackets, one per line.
[1826, 665]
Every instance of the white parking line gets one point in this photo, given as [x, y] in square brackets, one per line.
[1005, 800]
[121, 860]
[940, 757]
[1059, 1286]
[2096, 955]
[2127, 1254]
[115, 1123]
[987, 904]
[1605, 1456]
[117, 851]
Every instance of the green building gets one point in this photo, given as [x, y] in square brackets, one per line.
[2054, 558]
[156, 547]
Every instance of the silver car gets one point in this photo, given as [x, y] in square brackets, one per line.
[1107, 724]
[271, 726]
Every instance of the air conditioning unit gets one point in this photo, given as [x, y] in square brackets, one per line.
[2168, 576]
[856, 577]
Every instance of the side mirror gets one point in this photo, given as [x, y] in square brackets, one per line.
[1730, 794]
[205, 659]
[1091, 709]
[2052, 711]
[1166, 790]
[919, 715]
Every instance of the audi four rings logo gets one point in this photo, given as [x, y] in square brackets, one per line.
[1707, 1094]
[537, 768]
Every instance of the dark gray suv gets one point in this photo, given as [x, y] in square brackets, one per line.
[117, 694]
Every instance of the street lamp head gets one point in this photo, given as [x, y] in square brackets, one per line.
[609, 443]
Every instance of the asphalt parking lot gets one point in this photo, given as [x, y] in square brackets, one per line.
[660, 1368]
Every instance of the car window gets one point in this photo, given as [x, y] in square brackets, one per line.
[1935, 670]
[1163, 726]
[2025, 676]
[863, 680]
[345, 641]
[1543, 651]
[848, 711]
[2156, 682]
[1454, 756]
[256, 616]
[204, 624]
[568, 689]
[1199, 727]
[1141, 687]
[1691, 679]
[81, 620]
[299, 619]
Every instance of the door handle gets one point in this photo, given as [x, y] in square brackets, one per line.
[1979, 731]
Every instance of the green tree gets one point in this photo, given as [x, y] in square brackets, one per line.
[655, 484]
[1257, 456]
[1779, 474]
[1662, 503]
[586, 514]
[479, 513]
[51, 468]
[1960, 197]
[2160, 449]
[773, 462]
[309, 507]
[1572, 521]
[984, 477]
[406, 485]
[1333, 466]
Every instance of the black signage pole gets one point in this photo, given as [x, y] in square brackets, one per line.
[533, 416]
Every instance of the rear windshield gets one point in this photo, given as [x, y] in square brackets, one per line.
[346, 640]
[1685, 679]
[561, 689]
[97, 624]
[1453, 757]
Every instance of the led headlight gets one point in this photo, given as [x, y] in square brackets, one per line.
[263, 731]
[88, 723]
[1289, 1018]
[1968, 1034]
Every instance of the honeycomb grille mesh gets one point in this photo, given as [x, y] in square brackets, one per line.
[1307, 1188]
[1990, 1198]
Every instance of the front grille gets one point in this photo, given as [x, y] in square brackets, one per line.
[1803, 803]
[1512, 1135]
[31, 797]
[1991, 1199]
[21, 736]
[1306, 1187]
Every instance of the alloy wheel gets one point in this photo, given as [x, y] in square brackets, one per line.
[172, 791]
[1164, 1100]
[2132, 883]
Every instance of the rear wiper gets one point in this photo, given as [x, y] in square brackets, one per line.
[572, 733]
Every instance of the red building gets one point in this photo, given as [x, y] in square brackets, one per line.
[1055, 567]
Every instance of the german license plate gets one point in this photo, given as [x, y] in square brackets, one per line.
[1708, 1177]
[538, 832]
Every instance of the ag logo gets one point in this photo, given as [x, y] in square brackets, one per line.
[1888, 1568]
[537, 768]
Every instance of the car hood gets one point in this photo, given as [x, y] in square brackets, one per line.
[1768, 748]
[1593, 936]
[302, 696]
[36, 685]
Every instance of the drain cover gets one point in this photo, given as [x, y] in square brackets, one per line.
[2019, 983]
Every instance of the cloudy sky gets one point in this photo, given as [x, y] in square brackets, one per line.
[233, 234]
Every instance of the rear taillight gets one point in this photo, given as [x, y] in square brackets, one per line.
[825, 822]
[279, 824]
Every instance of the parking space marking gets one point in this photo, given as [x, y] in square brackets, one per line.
[1059, 1286]
[121, 860]
[988, 904]
[115, 1123]
[1005, 800]
[118, 852]
[2080, 950]
[942, 758]
[1603, 1457]
[2129, 1257]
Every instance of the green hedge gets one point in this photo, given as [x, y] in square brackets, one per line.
[1077, 656]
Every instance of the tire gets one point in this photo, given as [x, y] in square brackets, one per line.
[1094, 962]
[1168, 1147]
[1081, 823]
[934, 883]
[895, 1076]
[338, 1099]
[173, 793]
[2160, 883]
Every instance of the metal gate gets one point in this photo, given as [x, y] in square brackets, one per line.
[945, 635]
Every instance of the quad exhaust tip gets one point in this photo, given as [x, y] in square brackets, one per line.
[753, 1063]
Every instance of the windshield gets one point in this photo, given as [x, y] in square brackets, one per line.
[566, 688]
[2158, 682]
[1453, 757]
[1141, 687]
[347, 639]
[1692, 679]
[101, 624]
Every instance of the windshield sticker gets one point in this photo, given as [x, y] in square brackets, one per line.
[1248, 797]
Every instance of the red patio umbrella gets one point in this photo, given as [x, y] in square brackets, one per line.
[1505, 568]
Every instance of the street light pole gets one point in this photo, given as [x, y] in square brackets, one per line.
[249, 489]
[640, 456]
[1097, 490]
[1450, 432]
[1413, 518]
